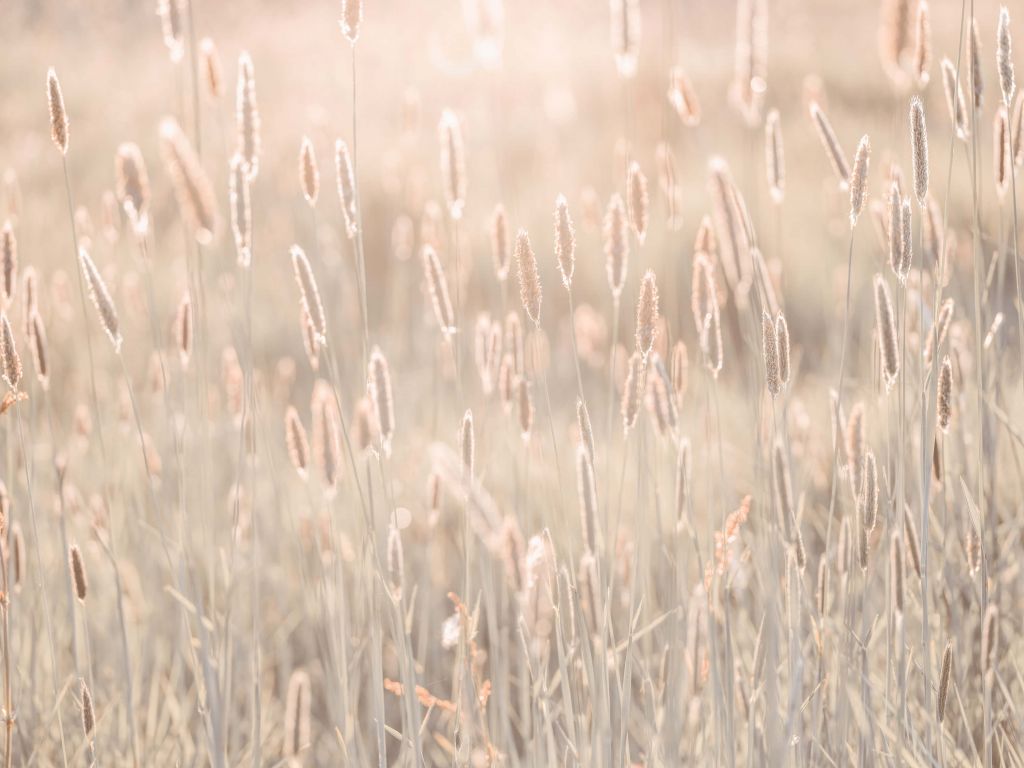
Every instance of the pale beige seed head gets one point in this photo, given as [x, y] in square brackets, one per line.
[683, 472]
[855, 445]
[668, 181]
[467, 444]
[40, 355]
[326, 444]
[101, 299]
[565, 241]
[58, 114]
[868, 498]
[770, 350]
[501, 242]
[923, 44]
[183, 333]
[437, 284]
[730, 228]
[1001, 159]
[647, 314]
[894, 38]
[975, 77]
[192, 188]
[895, 221]
[639, 202]
[309, 293]
[171, 23]
[859, 179]
[380, 394]
[10, 361]
[906, 240]
[944, 405]
[625, 36]
[346, 187]
[616, 244]
[1004, 57]
[944, 677]
[241, 211]
[132, 185]
[782, 332]
[955, 100]
[309, 173]
[211, 68]
[831, 144]
[396, 561]
[632, 393]
[683, 97]
[297, 442]
[529, 277]
[78, 577]
[453, 163]
[588, 498]
[8, 263]
[351, 19]
[885, 321]
[680, 372]
[585, 428]
[88, 713]
[775, 159]
[247, 116]
[919, 148]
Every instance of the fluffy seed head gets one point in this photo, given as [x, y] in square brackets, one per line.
[351, 18]
[524, 406]
[782, 332]
[976, 79]
[859, 179]
[297, 442]
[616, 244]
[529, 277]
[1001, 151]
[78, 577]
[639, 201]
[501, 241]
[37, 341]
[172, 27]
[58, 115]
[453, 163]
[588, 498]
[309, 174]
[247, 116]
[923, 44]
[309, 293]
[647, 314]
[1004, 57]
[565, 240]
[380, 394]
[885, 321]
[8, 263]
[955, 99]
[831, 144]
[770, 350]
[633, 390]
[683, 97]
[944, 675]
[132, 185]
[192, 188]
[101, 299]
[437, 284]
[88, 714]
[919, 147]
[586, 430]
[241, 211]
[945, 398]
[895, 230]
[346, 187]
[9, 359]
[868, 498]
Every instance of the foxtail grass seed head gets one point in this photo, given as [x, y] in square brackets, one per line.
[351, 19]
[326, 444]
[247, 116]
[894, 38]
[1004, 57]
[585, 428]
[529, 277]
[782, 333]
[923, 44]
[855, 445]
[101, 299]
[945, 399]
[616, 244]
[380, 394]
[625, 35]
[241, 211]
[955, 100]
[885, 321]
[297, 442]
[565, 241]
[831, 144]
[944, 677]
[453, 163]
[132, 185]
[647, 314]
[88, 713]
[859, 180]
[309, 173]
[775, 158]
[437, 284]
[11, 361]
[396, 562]
[40, 355]
[919, 147]
[78, 578]
[868, 496]
[362, 426]
[309, 293]
[211, 68]
[683, 474]
[639, 201]
[58, 114]
[770, 350]
[524, 407]
[467, 444]
[906, 240]
[192, 187]
[633, 389]
[346, 187]
[1001, 160]
[683, 98]
[588, 498]
[183, 330]
[501, 241]
[895, 220]
[974, 73]
[679, 372]
[8, 263]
